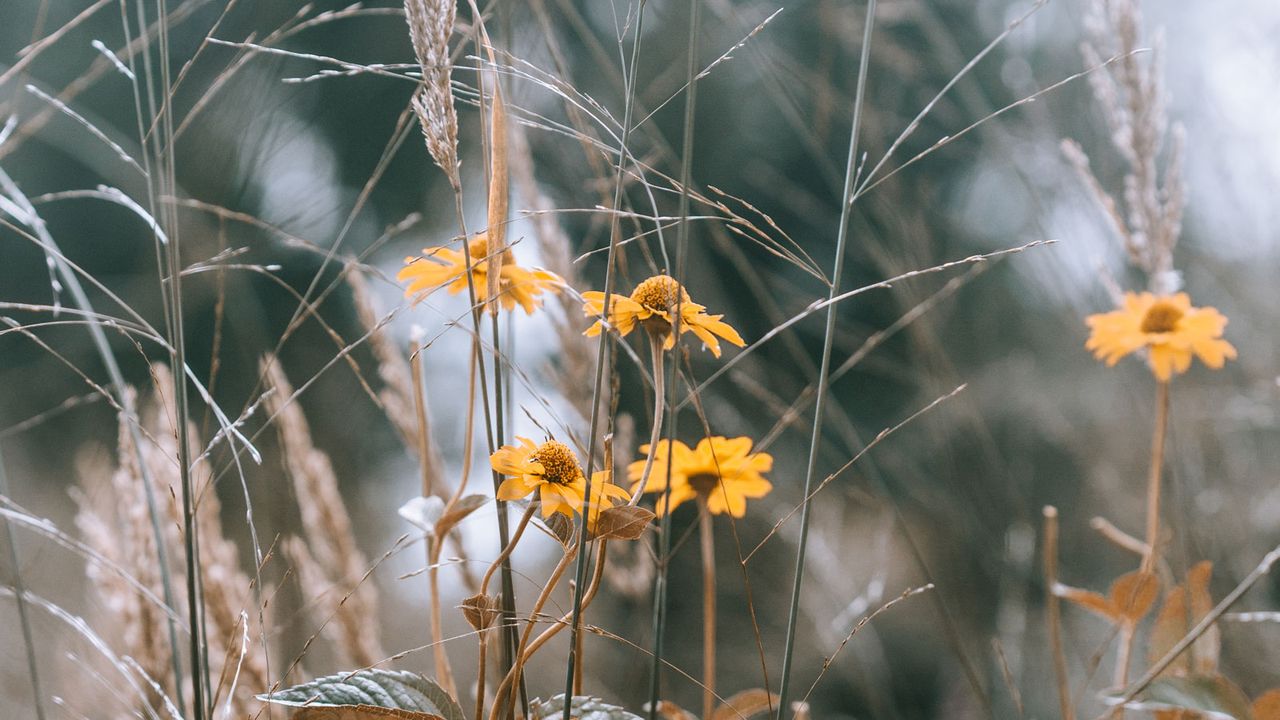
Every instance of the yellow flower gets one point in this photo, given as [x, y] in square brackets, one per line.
[724, 471]
[441, 266]
[652, 304]
[552, 469]
[1167, 326]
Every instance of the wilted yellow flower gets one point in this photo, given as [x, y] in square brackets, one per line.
[722, 470]
[552, 469]
[441, 266]
[652, 304]
[1167, 326]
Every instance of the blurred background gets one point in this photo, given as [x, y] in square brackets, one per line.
[287, 169]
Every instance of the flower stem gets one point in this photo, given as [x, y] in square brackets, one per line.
[444, 671]
[708, 608]
[659, 387]
[1152, 552]
[517, 667]
[846, 207]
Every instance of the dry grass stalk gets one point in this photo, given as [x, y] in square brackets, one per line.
[116, 524]
[1133, 98]
[430, 25]
[332, 565]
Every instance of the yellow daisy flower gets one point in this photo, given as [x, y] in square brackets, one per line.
[724, 471]
[652, 304]
[552, 469]
[441, 266]
[1167, 326]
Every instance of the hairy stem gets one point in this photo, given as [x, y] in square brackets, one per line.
[659, 386]
[513, 676]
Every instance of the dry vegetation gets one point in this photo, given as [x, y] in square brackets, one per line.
[564, 564]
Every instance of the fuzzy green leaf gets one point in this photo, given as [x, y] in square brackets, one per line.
[581, 707]
[400, 690]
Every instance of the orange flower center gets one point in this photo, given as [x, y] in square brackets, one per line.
[559, 465]
[1162, 317]
[660, 293]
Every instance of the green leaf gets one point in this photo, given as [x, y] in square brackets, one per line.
[581, 707]
[399, 690]
[1210, 695]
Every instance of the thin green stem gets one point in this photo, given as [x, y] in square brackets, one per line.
[846, 206]
[615, 231]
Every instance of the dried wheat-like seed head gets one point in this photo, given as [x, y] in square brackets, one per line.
[430, 24]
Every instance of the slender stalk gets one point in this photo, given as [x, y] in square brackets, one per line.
[682, 244]
[20, 594]
[444, 671]
[1152, 551]
[483, 634]
[615, 232]
[1053, 612]
[846, 206]
[655, 435]
[517, 668]
[563, 622]
[708, 608]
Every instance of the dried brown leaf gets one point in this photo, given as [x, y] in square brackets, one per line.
[746, 704]
[480, 610]
[561, 528]
[624, 522]
[457, 512]
[1133, 594]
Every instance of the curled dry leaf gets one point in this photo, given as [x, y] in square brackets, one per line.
[746, 704]
[624, 522]
[560, 527]
[480, 610]
[458, 512]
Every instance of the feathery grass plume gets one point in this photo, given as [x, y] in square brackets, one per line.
[332, 565]
[227, 589]
[430, 25]
[1148, 214]
[113, 519]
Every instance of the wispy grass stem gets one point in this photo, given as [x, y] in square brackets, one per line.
[846, 206]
